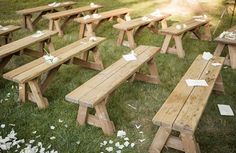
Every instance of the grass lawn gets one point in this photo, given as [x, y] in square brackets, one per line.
[215, 133]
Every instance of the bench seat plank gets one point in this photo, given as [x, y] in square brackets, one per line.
[70, 12]
[16, 46]
[194, 107]
[191, 24]
[106, 81]
[167, 114]
[128, 25]
[11, 28]
[44, 8]
[40, 66]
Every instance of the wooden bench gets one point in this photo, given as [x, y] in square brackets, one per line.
[177, 34]
[231, 44]
[30, 74]
[91, 23]
[55, 18]
[27, 14]
[133, 27]
[8, 33]
[183, 109]
[22, 46]
[95, 92]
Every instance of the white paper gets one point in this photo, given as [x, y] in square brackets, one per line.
[38, 34]
[93, 38]
[93, 5]
[157, 13]
[193, 83]
[96, 16]
[50, 59]
[225, 110]
[3, 28]
[125, 43]
[129, 57]
[200, 20]
[86, 17]
[127, 18]
[207, 56]
[145, 18]
[52, 4]
[216, 64]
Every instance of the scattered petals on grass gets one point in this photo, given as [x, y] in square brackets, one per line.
[78, 142]
[110, 141]
[52, 138]
[52, 127]
[121, 133]
[132, 145]
[109, 149]
[60, 121]
[3, 126]
[126, 143]
[34, 132]
[142, 140]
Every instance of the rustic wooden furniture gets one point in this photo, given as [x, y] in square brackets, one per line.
[55, 18]
[91, 23]
[30, 74]
[8, 34]
[22, 46]
[95, 92]
[231, 44]
[177, 34]
[133, 27]
[27, 14]
[183, 109]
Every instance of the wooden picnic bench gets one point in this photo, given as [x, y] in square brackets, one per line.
[184, 107]
[55, 18]
[231, 44]
[133, 27]
[8, 33]
[27, 14]
[31, 73]
[22, 46]
[177, 34]
[87, 26]
[95, 92]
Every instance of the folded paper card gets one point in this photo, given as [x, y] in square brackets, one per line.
[207, 56]
[96, 16]
[86, 17]
[145, 18]
[3, 28]
[192, 83]
[50, 59]
[38, 34]
[127, 18]
[157, 13]
[180, 26]
[216, 64]
[228, 35]
[93, 38]
[225, 110]
[93, 5]
[130, 57]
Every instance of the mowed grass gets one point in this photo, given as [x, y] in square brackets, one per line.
[215, 133]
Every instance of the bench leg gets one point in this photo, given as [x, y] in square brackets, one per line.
[106, 125]
[22, 92]
[89, 30]
[36, 20]
[120, 38]
[179, 46]
[131, 40]
[166, 44]
[58, 27]
[153, 77]
[189, 143]
[232, 55]
[37, 94]
[81, 31]
[50, 45]
[207, 34]
[219, 49]
[82, 115]
[219, 85]
[4, 61]
[29, 22]
[163, 24]
[160, 139]
[51, 25]
[97, 58]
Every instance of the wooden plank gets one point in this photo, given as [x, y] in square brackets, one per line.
[175, 142]
[18, 45]
[191, 24]
[104, 15]
[194, 107]
[62, 58]
[100, 92]
[232, 55]
[174, 103]
[44, 8]
[71, 12]
[11, 28]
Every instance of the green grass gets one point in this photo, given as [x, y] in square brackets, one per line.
[215, 133]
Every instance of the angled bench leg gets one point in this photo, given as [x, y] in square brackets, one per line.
[163, 24]
[22, 92]
[131, 40]
[89, 30]
[219, 85]
[120, 38]
[29, 22]
[51, 25]
[81, 31]
[153, 77]
[105, 123]
[179, 47]
[207, 34]
[159, 140]
[189, 143]
[196, 33]
[36, 20]
[50, 45]
[219, 49]
[58, 27]
[232, 55]
[166, 44]
[37, 94]
[4, 61]
[97, 58]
